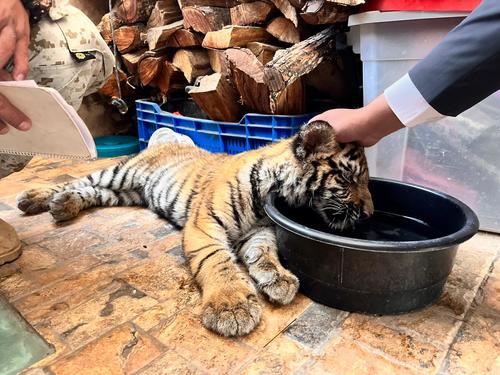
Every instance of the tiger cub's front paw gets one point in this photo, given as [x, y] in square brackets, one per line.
[232, 312]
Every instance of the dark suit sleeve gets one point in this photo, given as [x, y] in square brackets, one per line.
[465, 67]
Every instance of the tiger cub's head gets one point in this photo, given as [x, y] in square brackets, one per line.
[335, 175]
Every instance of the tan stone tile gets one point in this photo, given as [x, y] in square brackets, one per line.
[164, 245]
[495, 272]
[477, 348]
[472, 263]
[123, 350]
[491, 294]
[35, 259]
[8, 203]
[17, 285]
[274, 320]
[15, 187]
[116, 248]
[28, 227]
[64, 269]
[47, 311]
[9, 269]
[281, 356]
[71, 244]
[403, 347]
[67, 293]
[128, 223]
[207, 350]
[483, 241]
[60, 347]
[167, 310]
[171, 363]
[433, 323]
[345, 357]
[87, 321]
[161, 277]
[35, 371]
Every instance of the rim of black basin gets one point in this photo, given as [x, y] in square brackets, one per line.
[468, 229]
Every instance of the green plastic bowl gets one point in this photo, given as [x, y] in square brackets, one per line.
[116, 145]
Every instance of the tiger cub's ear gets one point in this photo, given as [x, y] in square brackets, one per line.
[317, 137]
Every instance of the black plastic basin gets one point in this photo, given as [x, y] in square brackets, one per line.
[403, 265]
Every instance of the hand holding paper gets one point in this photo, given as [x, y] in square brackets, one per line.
[56, 129]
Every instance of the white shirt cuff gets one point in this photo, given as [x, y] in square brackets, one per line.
[408, 104]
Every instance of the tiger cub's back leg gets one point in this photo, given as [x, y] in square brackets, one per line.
[67, 204]
[117, 185]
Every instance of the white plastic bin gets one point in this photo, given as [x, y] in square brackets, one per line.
[460, 156]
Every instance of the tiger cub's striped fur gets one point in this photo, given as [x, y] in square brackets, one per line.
[218, 200]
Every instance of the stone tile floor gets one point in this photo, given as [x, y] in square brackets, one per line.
[111, 293]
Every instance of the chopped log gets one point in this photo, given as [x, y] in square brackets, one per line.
[263, 52]
[164, 13]
[217, 98]
[328, 79]
[105, 26]
[128, 38]
[284, 30]
[233, 36]
[205, 19]
[312, 6]
[149, 68]
[158, 37]
[297, 61]
[254, 13]
[184, 38]
[299, 4]
[131, 60]
[210, 3]
[288, 10]
[248, 77]
[347, 2]
[110, 88]
[193, 63]
[219, 62]
[328, 14]
[134, 11]
[170, 79]
[292, 101]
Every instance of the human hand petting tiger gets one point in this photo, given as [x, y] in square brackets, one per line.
[218, 200]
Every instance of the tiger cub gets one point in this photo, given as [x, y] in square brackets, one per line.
[218, 200]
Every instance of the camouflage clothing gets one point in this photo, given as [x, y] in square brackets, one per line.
[68, 54]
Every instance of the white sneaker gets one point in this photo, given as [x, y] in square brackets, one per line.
[166, 135]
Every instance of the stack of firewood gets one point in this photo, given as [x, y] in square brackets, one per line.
[230, 56]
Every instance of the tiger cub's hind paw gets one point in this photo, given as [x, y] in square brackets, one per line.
[65, 205]
[34, 201]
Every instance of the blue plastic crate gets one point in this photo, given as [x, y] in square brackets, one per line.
[253, 131]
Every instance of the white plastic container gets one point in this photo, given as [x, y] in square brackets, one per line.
[459, 156]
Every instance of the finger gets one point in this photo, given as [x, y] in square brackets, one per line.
[21, 51]
[12, 115]
[20, 61]
[4, 129]
[320, 117]
[5, 76]
[7, 43]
